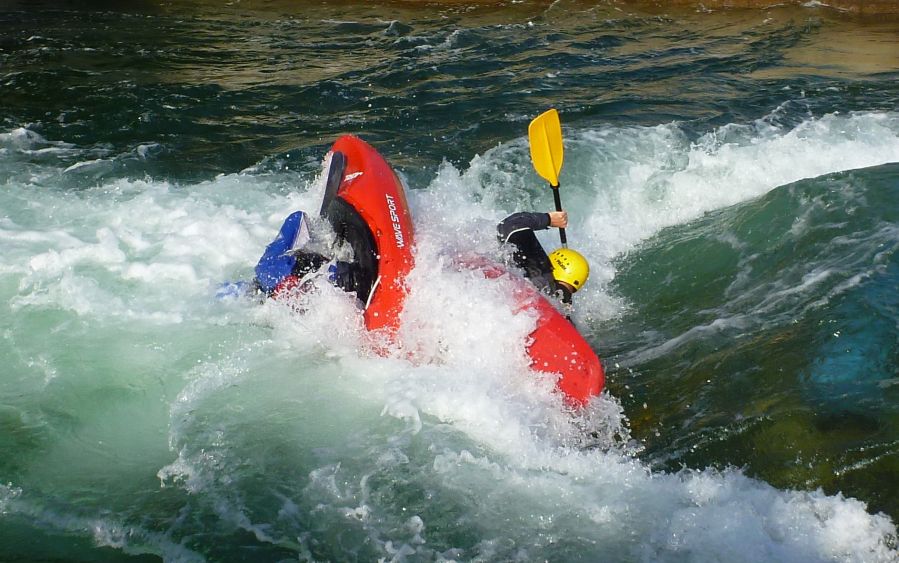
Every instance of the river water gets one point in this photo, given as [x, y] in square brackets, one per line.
[732, 176]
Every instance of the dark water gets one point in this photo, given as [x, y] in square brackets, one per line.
[732, 177]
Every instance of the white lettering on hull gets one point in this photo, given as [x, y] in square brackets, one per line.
[397, 228]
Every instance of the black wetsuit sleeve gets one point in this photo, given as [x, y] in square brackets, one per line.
[518, 230]
[307, 262]
[523, 220]
[346, 276]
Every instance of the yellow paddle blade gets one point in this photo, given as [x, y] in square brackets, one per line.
[545, 135]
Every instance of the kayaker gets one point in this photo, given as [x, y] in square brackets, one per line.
[564, 271]
[289, 261]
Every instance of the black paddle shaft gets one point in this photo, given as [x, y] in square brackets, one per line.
[332, 184]
[558, 199]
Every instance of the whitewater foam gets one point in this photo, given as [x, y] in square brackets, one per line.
[489, 433]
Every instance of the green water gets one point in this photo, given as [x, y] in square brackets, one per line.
[809, 374]
[731, 176]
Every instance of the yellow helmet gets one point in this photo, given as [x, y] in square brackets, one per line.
[570, 267]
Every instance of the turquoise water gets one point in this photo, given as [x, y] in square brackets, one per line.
[731, 176]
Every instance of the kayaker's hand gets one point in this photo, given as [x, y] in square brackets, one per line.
[558, 219]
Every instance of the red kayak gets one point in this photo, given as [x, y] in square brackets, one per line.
[555, 346]
[365, 202]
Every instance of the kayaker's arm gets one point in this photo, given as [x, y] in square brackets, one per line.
[523, 220]
[529, 220]
[518, 230]
[345, 275]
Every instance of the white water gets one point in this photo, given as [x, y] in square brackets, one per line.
[127, 269]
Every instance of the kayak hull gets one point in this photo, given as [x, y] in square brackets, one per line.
[555, 346]
[369, 192]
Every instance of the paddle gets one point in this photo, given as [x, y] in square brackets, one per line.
[545, 135]
[332, 184]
